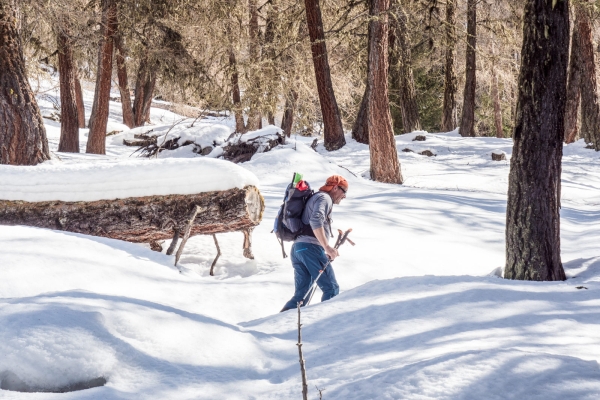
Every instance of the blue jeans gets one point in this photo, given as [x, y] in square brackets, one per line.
[308, 259]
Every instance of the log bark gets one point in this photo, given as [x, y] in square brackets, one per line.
[332, 120]
[22, 134]
[532, 214]
[142, 219]
[69, 116]
[99, 118]
[449, 113]
[467, 122]
[385, 166]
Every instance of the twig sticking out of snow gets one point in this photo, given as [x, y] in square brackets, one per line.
[188, 229]
[217, 257]
[302, 367]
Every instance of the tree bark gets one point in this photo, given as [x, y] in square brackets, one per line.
[22, 133]
[590, 110]
[253, 93]
[360, 129]
[123, 82]
[69, 116]
[144, 91]
[496, 98]
[402, 81]
[79, 100]
[573, 88]
[532, 217]
[467, 122]
[240, 126]
[449, 113]
[385, 166]
[98, 120]
[332, 121]
[142, 219]
[288, 113]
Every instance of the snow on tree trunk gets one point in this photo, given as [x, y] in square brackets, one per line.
[69, 115]
[98, 120]
[449, 113]
[532, 217]
[332, 121]
[385, 166]
[467, 122]
[22, 133]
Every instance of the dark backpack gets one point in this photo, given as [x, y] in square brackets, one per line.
[288, 223]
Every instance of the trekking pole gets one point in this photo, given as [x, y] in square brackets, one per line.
[342, 238]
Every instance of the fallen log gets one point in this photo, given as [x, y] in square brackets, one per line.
[142, 219]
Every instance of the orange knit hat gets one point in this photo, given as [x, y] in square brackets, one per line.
[333, 181]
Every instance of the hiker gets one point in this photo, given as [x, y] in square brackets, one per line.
[311, 250]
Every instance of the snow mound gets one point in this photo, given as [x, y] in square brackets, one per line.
[120, 179]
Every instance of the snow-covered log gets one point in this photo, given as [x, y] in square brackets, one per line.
[142, 219]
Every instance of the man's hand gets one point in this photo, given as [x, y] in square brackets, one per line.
[331, 252]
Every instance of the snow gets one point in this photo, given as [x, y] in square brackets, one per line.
[120, 179]
[422, 313]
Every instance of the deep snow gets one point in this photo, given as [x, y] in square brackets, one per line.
[422, 315]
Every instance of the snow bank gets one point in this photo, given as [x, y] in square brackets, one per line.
[120, 179]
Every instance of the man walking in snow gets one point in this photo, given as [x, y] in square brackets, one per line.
[311, 251]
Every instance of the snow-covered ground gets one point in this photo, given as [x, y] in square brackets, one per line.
[422, 313]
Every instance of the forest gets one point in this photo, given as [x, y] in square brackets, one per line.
[146, 146]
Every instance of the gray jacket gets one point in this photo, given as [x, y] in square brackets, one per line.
[317, 214]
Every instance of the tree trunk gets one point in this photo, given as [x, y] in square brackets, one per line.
[573, 88]
[360, 130]
[332, 121]
[123, 82]
[142, 219]
[385, 166]
[69, 117]
[403, 85]
[253, 93]
[496, 98]
[590, 111]
[144, 91]
[98, 120]
[240, 126]
[467, 122]
[22, 133]
[532, 216]
[449, 113]
[79, 101]
[288, 113]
